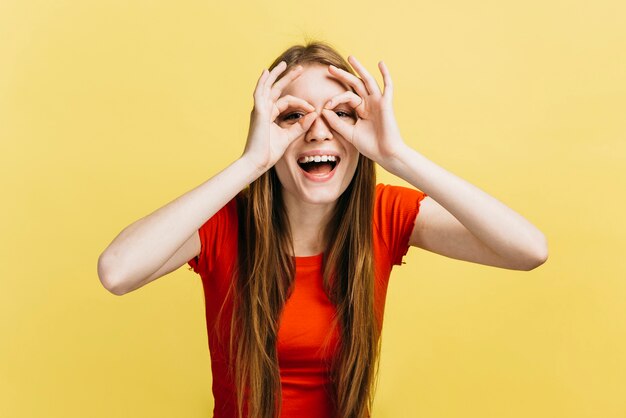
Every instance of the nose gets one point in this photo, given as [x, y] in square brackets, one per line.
[319, 130]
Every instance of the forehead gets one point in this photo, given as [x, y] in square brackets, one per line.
[315, 84]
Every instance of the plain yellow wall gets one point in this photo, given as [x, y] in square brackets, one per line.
[111, 109]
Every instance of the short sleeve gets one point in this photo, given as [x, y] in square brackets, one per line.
[395, 211]
[213, 234]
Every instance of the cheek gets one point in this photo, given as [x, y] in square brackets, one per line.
[354, 162]
[282, 171]
[354, 154]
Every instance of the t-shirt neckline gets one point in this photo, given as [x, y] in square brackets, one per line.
[309, 260]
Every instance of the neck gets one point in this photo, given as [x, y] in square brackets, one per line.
[307, 222]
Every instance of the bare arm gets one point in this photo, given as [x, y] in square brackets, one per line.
[167, 238]
[143, 247]
[457, 219]
[461, 221]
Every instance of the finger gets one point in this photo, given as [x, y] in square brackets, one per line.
[278, 86]
[260, 83]
[289, 100]
[349, 97]
[303, 125]
[342, 128]
[346, 97]
[388, 93]
[274, 74]
[370, 82]
[349, 79]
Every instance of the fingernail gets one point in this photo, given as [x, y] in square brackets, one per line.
[328, 104]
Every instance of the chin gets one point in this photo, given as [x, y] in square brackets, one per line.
[317, 196]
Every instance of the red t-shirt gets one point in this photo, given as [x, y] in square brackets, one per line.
[304, 324]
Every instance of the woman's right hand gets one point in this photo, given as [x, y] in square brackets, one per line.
[267, 140]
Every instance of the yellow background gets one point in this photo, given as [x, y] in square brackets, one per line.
[111, 109]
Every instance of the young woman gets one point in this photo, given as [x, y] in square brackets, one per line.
[295, 267]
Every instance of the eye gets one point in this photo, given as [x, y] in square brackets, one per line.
[290, 116]
[343, 114]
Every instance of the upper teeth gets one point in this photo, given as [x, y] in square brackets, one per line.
[317, 158]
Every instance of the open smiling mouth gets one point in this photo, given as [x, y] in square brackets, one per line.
[315, 168]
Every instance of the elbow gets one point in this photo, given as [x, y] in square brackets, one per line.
[117, 291]
[538, 254]
[107, 277]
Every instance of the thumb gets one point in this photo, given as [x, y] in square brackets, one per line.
[339, 126]
[302, 126]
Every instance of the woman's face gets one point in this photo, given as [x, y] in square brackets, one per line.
[323, 181]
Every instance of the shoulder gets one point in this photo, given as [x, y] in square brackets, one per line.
[390, 197]
[395, 212]
[217, 235]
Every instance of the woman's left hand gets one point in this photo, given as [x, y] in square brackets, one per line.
[375, 133]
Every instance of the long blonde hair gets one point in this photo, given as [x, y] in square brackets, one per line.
[265, 271]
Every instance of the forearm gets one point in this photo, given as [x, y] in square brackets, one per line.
[145, 245]
[503, 230]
